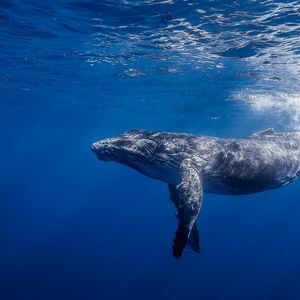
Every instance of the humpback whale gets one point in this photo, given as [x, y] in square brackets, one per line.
[192, 164]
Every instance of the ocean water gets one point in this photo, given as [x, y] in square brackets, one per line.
[73, 72]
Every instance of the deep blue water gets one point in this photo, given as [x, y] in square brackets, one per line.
[73, 72]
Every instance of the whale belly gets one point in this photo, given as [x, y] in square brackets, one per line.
[238, 186]
[249, 174]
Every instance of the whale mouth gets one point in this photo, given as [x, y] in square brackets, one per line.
[93, 147]
[98, 146]
[104, 155]
[102, 151]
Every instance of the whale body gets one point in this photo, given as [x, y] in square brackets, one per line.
[192, 164]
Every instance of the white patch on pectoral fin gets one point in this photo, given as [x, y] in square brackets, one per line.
[187, 196]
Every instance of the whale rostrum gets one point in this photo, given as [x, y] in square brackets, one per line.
[192, 164]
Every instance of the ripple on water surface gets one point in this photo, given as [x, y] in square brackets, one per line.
[253, 46]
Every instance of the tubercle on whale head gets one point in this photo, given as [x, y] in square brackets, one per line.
[101, 149]
[107, 149]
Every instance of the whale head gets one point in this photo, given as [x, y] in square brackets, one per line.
[140, 150]
[128, 148]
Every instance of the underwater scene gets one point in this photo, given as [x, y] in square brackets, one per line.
[77, 72]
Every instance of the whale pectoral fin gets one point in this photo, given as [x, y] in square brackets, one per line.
[187, 196]
[193, 240]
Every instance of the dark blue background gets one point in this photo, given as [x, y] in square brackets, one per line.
[73, 72]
